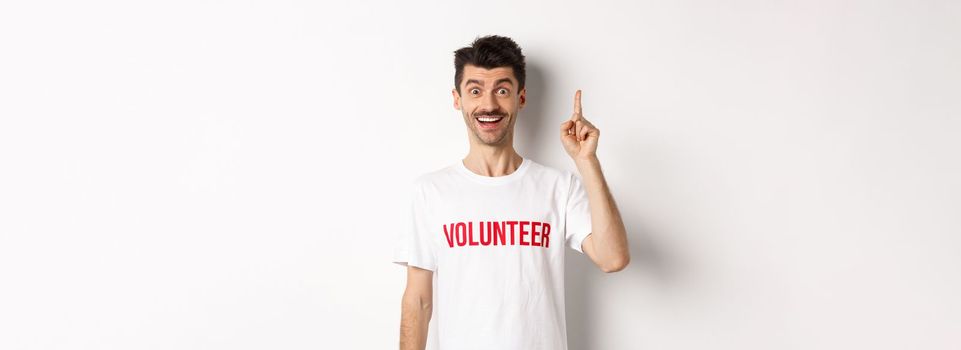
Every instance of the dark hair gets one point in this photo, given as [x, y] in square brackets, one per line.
[490, 52]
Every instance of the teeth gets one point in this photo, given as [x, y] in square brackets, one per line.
[486, 119]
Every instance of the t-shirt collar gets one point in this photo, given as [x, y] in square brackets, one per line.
[494, 180]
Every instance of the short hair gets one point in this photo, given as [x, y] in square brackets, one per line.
[490, 52]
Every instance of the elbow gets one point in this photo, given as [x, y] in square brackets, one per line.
[616, 265]
[421, 303]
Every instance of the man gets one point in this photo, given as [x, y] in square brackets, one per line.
[491, 229]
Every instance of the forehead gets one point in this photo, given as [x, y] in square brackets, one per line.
[488, 76]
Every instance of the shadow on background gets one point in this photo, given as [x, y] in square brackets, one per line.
[535, 135]
[648, 263]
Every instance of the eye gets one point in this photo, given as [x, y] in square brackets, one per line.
[503, 91]
[472, 91]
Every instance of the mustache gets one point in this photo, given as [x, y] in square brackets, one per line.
[492, 113]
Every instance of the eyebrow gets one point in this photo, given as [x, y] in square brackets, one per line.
[481, 82]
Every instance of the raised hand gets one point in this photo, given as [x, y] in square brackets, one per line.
[578, 135]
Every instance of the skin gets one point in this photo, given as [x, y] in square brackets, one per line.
[494, 91]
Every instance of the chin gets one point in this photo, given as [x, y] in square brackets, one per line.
[497, 140]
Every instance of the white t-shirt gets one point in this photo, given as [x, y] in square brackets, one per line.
[496, 246]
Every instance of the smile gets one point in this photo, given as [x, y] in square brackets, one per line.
[488, 122]
[489, 119]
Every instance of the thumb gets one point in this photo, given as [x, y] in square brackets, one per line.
[566, 126]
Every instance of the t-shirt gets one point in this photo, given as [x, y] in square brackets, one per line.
[496, 247]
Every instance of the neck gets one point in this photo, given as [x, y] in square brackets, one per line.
[492, 161]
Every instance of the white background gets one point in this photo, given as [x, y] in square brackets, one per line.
[231, 174]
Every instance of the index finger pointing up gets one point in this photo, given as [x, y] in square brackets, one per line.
[577, 102]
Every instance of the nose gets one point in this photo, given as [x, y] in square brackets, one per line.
[488, 103]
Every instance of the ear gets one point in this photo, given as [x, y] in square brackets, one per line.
[454, 93]
[523, 97]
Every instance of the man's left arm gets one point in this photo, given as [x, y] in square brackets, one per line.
[607, 243]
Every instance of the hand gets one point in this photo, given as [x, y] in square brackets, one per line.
[578, 135]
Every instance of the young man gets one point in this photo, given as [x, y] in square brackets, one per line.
[491, 229]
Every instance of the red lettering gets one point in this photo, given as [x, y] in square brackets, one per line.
[485, 233]
[499, 232]
[524, 232]
[546, 234]
[470, 233]
[461, 234]
[450, 235]
[495, 233]
[535, 233]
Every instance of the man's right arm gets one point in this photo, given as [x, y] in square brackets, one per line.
[416, 308]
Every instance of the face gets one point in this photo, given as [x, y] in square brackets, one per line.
[489, 101]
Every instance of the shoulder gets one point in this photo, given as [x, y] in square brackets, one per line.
[433, 178]
[544, 172]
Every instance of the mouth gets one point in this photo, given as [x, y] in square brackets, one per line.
[488, 121]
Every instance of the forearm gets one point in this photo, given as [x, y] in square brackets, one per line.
[415, 317]
[609, 236]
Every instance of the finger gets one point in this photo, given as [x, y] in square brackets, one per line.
[582, 134]
[566, 128]
[578, 125]
[577, 103]
[585, 121]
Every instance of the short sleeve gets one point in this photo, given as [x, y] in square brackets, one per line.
[414, 246]
[578, 215]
